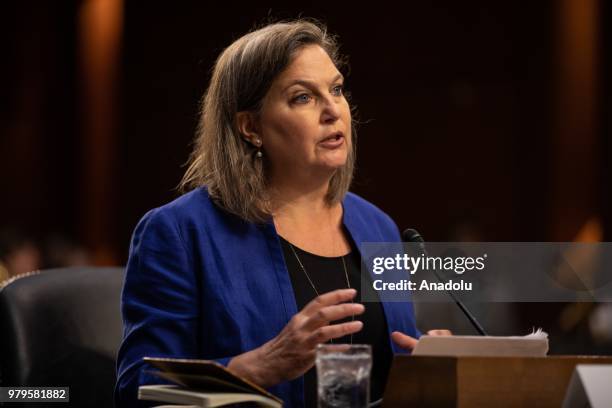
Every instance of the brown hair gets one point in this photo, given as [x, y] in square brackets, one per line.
[243, 73]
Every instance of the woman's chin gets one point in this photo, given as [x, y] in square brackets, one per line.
[331, 166]
[333, 160]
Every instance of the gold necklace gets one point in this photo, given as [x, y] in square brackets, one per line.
[348, 283]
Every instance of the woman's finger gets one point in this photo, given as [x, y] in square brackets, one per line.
[404, 341]
[334, 331]
[323, 316]
[327, 299]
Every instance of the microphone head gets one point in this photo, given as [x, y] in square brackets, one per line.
[412, 235]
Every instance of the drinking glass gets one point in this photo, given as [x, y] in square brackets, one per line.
[343, 375]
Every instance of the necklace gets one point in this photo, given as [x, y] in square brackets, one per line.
[348, 283]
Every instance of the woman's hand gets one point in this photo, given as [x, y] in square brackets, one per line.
[408, 343]
[292, 352]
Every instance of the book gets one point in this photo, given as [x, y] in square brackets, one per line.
[202, 383]
[531, 345]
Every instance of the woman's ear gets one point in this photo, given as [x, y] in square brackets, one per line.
[247, 126]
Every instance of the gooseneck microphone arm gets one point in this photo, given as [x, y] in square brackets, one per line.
[412, 236]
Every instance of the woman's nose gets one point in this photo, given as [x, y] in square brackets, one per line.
[331, 111]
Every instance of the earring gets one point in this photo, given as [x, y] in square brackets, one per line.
[259, 154]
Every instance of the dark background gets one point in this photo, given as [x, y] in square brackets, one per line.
[480, 120]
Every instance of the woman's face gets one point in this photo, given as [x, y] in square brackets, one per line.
[305, 122]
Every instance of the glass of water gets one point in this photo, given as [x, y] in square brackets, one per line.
[343, 375]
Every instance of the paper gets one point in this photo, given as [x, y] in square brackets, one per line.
[532, 345]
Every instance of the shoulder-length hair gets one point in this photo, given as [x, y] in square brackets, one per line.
[222, 160]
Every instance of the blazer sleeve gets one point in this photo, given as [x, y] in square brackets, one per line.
[160, 304]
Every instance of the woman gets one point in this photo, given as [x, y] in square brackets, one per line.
[260, 262]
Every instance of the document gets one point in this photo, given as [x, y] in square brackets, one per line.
[531, 345]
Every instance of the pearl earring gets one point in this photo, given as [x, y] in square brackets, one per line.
[259, 154]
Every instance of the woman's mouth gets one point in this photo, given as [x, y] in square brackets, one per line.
[332, 141]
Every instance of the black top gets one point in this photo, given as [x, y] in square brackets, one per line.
[327, 274]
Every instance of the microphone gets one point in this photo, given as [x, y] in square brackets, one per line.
[412, 236]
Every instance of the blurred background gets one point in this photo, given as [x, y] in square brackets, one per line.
[480, 121]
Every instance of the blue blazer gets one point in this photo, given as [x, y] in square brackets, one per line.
[202, 283]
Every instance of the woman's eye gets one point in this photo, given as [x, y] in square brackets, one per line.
[302, 98]
[338, 89]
